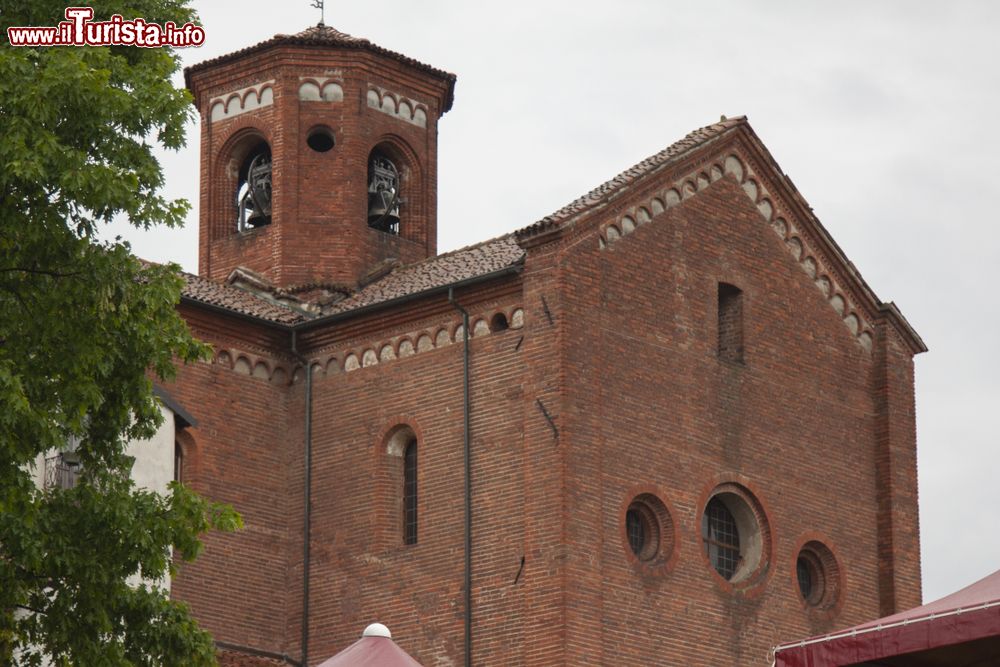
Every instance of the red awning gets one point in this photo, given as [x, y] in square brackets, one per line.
[374, 649]
[965, 623]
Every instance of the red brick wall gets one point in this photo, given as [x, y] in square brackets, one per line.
[650, 407]
[896, 467]
[362, 571]
[239, 453]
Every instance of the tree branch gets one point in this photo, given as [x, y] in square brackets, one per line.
[42, 272]
[31, 609]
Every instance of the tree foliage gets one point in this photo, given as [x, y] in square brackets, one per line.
[84, 325]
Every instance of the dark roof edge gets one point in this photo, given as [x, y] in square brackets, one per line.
[512, 269]
[894, 315]
[246, 317]
[359, 44]
[180, 414]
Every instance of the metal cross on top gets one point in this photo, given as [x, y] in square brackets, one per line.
[318, 4]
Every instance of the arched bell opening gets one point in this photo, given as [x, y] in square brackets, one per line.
[385, 186]
[253, 195]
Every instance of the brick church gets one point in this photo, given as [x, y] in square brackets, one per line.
[668, 424]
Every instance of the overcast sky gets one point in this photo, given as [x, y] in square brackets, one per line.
[881, 112]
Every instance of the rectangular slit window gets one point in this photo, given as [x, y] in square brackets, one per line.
[730, 323]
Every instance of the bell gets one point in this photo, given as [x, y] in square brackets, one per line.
[383, 194]
[259, 179]
[383, 210]
[257, 219]
[254, 195]
[381, 203]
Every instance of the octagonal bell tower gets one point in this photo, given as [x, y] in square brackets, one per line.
[318, 158]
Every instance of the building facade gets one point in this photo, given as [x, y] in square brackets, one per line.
[667, 424]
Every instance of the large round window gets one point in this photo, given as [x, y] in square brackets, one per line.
[734, 533]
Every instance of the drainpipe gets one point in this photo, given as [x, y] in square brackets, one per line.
[467, 450]
[307, 507]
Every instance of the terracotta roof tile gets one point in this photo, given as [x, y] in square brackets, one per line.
[324, 35]
[441, 271]
[452, 267]
[238, 300]
[609, 189]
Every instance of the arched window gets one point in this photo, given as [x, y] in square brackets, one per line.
[178, 462]
[410, 493]
[384, 196]
[253, 188]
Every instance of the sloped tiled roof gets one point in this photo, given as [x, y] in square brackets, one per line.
[608, 189]
[453, 267]
[238, 300]
[324, 35]
[447, 269]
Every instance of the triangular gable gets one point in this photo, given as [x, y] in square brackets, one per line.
[731, 148]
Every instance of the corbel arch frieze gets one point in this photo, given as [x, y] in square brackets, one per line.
[805, 250]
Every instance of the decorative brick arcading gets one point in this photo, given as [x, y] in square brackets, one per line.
[320, 89]
[415, 342]
[241, 101]
[397, 106]
[785, 226]
[372, 354]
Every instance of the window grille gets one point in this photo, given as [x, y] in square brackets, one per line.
[636, 529]
[722, 538]
[410, 493]
[804, 571]
[62, 471]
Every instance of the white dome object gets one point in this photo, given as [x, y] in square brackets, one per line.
[377, 630]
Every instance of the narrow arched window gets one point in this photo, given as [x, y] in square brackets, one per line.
[178, 462]
[410, 493]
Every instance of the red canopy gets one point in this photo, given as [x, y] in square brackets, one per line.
[958, 629]
[374, 649]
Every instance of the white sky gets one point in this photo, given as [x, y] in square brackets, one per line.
[878, 110]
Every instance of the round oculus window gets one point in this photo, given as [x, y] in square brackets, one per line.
[320, 139]
[817, 574]
[734, 534]
[648, 529]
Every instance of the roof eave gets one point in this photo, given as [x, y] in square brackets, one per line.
[510, 270]
[448, 78]
[902, 325]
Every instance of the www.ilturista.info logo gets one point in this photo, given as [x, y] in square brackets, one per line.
[79, 30]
